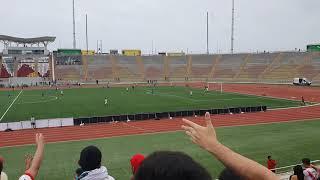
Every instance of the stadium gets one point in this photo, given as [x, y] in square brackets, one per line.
[127, 102]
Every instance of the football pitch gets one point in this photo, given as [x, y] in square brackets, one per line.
[288, 143]
[89, 102]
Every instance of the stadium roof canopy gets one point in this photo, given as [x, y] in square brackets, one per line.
[45, 39]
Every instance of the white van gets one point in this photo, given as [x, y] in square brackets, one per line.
[301, 82]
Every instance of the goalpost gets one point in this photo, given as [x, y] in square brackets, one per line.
[213, 87]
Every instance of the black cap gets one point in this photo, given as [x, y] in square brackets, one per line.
[90, 158]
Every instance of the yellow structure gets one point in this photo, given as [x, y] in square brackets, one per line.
[89, 52]
[176, 54]
[131, 52]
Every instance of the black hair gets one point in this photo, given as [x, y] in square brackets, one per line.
[79, 171]
[298, 171]
[171, 166]
[269, 157]
[90, 158]
[228, 174]
[1, 166]
[306, 161]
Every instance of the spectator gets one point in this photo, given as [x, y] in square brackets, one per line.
[3, 175]
[166, 165]
[90, 163]
[297, 173]
[303, 103]
[33, 122]
[271, 164]
[79, 171]
[310, 172]
[33, 165]
[205, 137]
[135, 162]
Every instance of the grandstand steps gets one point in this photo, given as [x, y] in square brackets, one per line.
[282, 72]
[214, 66]
[242, 67]
[201, 72]
[140, 67]
[178, 66]
[154, 67]
[68, 72]
[166, 67]
[252, 72]
[154, 73]
[275, 61]
[99, 73]
[189, 66]
[229, 65]
[179, 72]
[115, 71]
[296, 72]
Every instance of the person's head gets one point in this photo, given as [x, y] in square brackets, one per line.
[90, 158]
[1, 164]
[269, 157]
[136, 161]
[228, 174]
[306, 162]
[298, 171]
[170, 166]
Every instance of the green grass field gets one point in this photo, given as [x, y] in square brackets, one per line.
[286, 142]
[90, 102]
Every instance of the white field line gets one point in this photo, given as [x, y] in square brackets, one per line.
[53, 98]
[272, 97]
[199, 100]
[162, 132]
[10, 106]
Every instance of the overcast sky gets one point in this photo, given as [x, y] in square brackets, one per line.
[172, 25]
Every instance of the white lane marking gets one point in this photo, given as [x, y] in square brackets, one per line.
[10, 106]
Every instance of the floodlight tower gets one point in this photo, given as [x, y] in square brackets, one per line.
[207, 32]
[232, 28]
[74, 26]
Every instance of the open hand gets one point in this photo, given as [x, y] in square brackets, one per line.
[28, 160]
[40, 139]
[204, 136]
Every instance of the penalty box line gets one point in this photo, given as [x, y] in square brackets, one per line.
[4, 114]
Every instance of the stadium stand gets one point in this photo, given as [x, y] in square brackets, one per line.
[256, 64]
[154, 67]
[99, 68]
[128, 69]
[228, 66]
[178, 67]
[282, 68]
[279, 67]
[201, 66]
[68, 72]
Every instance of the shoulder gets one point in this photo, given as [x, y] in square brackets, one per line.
[293, 177]
[26, 176]
[110, 178]
[3, 176]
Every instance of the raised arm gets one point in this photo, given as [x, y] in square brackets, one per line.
[206, 138]
[38, 156]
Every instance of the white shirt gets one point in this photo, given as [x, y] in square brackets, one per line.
[98, 174]
[310, 174]
[3, 176]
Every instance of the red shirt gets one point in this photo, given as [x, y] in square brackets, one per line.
[272, 164]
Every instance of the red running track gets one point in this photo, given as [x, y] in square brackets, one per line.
[105, 130]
